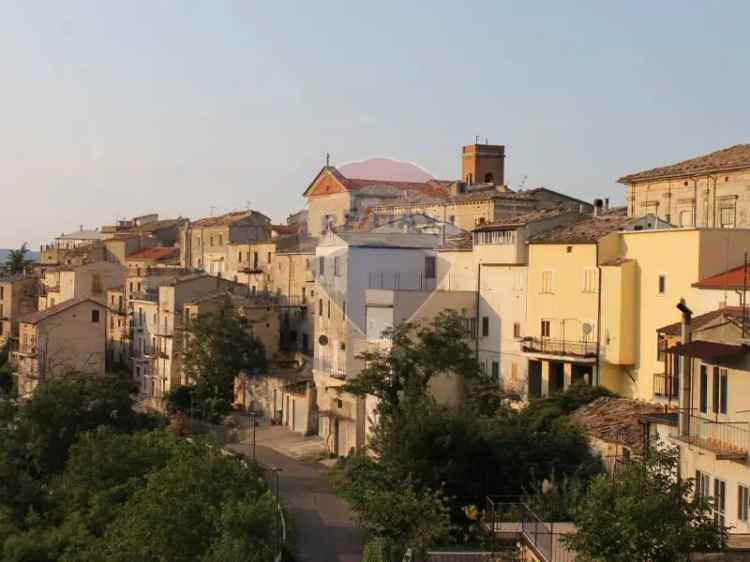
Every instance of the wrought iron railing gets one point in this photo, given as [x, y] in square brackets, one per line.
[550, 346]
[511, 516]
[727, 439]
[666, 386]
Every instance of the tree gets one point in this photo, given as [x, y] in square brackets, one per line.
[418, 353]
[218, 346]
[16, 261]
[646, 514]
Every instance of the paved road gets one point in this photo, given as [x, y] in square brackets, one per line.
[323, 524]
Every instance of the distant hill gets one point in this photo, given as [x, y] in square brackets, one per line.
[5, 251]
[385, 169]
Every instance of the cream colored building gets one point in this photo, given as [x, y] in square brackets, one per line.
[709, 191]
[711, 385]
[251, 264]
[118, 334]
[66, 338]
[17, 298]
[206, 243]
[88, 280]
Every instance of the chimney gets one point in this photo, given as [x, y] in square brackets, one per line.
[686, 333]
[598, 206]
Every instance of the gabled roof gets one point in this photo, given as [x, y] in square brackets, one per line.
[735, 278]
[701, 321]
[586, 231]
[614, 420]
[233, 218]
[41, 315]
[154, 254]
[735, 157]
[430, 188]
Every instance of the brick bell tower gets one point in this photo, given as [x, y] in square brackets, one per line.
[483, 163]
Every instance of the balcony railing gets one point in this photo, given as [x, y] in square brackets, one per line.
[666, 386]
[506, 518]
[729, 440]
[401, 281]
[560, 347]
[326, 365]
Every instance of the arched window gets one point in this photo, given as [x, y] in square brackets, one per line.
[488, 178]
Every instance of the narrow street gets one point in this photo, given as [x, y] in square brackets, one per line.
[324, 527]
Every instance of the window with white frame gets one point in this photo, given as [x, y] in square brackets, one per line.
[590, 280]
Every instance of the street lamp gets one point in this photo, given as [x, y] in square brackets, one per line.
[276, 470]
[252, 414]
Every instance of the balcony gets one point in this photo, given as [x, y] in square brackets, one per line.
[582, 350]
[327, 366]
[147, 295]
[728, 440]
[666, 387]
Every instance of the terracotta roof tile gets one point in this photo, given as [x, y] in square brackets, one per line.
[231, 218]
[586, 231]
[154, 254]
[614, 420]
[730, 279]
[521, 219]
[733, 158]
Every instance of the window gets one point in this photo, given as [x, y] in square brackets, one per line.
[337, 266]
[96, 283]
[429, 267]
[221, 239]
[514, 371]
[269, 257]
[703, 401]
[545, 328]
[517, 330]
[702, 484]
[726, 217]
[495, 237]
[485, 326]
[686, 218]
[329, 308]
[661, 347]
[546, 281]
[321, 266]
[662, 284]
[720, 501]
[95, 316]
[720, 387]
[743, 497]
[495, 370]
[589, 280]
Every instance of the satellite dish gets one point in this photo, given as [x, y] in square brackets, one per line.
[587, 328]
[323, 340]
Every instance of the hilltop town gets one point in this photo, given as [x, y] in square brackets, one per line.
[647, 301]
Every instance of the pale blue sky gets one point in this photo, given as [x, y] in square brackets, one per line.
[121, 108]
